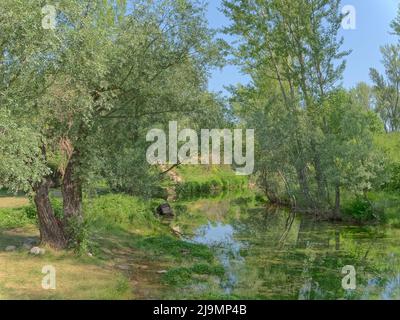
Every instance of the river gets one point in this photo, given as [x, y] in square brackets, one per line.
[271, 253]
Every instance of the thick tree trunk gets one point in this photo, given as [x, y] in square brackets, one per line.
[72, 190]
[51, 228]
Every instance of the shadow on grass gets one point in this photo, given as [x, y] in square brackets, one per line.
[16, 237]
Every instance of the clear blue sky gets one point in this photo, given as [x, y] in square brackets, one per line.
[373, 18]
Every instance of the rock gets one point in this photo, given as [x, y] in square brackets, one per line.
[165, 210]
[90, 254]
[37, 251]
[162, 271]
[11, 248]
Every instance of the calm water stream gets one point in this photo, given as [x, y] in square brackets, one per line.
[274, 254]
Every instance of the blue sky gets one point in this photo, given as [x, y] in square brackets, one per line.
[373, 18]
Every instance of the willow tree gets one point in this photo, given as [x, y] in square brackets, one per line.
[103, 69]
[291, 49]
[387, 85]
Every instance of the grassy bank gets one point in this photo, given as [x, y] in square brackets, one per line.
[207, 180]
[130, 254]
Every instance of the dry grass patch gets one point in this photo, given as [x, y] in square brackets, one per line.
[76, 278]
[13, 202]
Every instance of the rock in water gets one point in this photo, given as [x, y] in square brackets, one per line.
[165, 210]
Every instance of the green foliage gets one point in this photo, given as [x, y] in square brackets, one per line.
[109, 211]
[182, 276]
[386, 87]
[394, 181]
[203, 181]
[85, 93]
[15, 218]
[312, 137]
[78, 234]
[56, 204]
[390, 144]
[172, 247]
[21, 160]
[31, 212]
[360, 209]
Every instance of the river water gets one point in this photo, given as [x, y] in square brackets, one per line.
[270, 253]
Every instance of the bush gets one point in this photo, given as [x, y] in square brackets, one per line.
[113, 210]
[182, 276]
[31, 212]
[194, 189]
[361, 209]
[15, 218]
[394, 180]
[57, 205]
[78, 232]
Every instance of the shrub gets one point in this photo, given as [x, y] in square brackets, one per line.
[79, 234]
[361, 209]
[15, 218]
[394, 180]
[113, 210]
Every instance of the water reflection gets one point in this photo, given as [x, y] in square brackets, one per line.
[219, 236]
[274, 254]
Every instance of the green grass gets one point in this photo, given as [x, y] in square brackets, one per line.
[203, 173]
[15, 218]
[390, 142]
[204, 180]
[118, 210]
[123, 231]
[389, 204]
[175, 249]
[182, 276]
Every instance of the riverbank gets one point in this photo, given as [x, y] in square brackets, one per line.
[129, 254]
[223, 243]
[232, 247]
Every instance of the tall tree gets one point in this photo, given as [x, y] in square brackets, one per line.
[107, 69]
[387, 87]
[291, 49]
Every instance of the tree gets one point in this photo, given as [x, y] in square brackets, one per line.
[363, 95]
[108, 70]
[387, 87]
[291, 49]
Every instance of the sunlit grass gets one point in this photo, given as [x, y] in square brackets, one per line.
[13, 202]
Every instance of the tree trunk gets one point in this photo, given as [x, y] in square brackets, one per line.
[337, 240]
[72, 190]
[305, 190]
[51, 228]
[337, 202]
[319, 177]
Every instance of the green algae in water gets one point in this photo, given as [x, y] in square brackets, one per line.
[275, 254]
